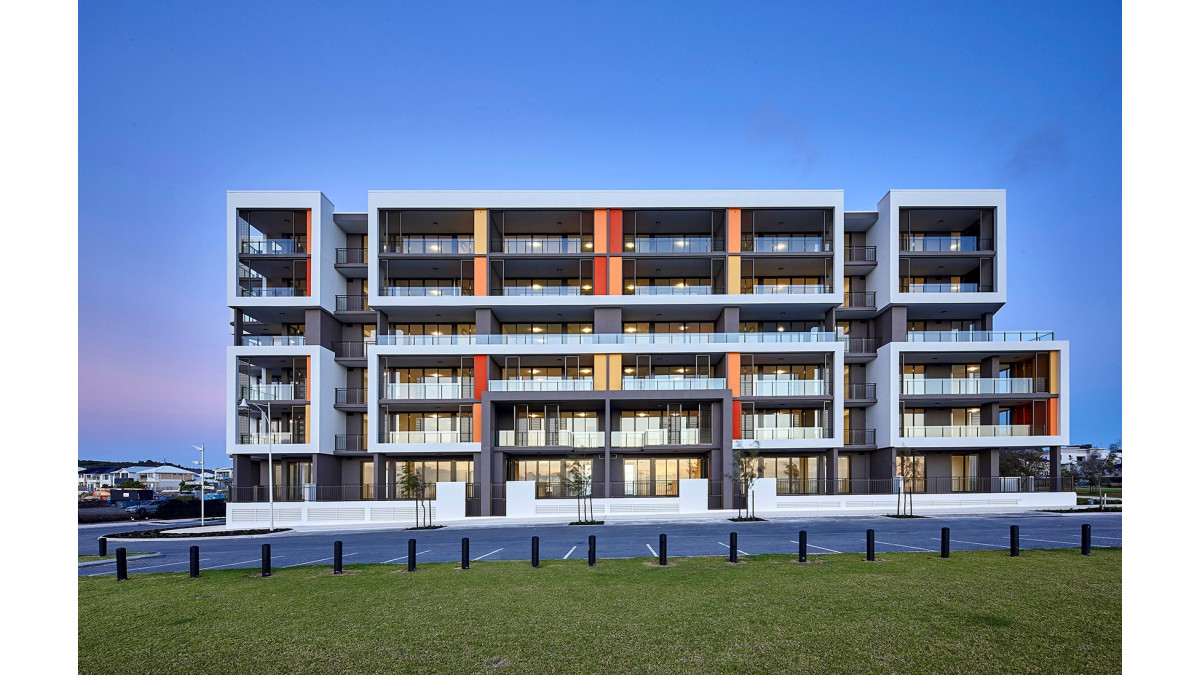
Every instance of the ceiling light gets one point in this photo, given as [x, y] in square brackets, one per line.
[780, 329]
[586, 371]
[973, 368]
[628, 370]
[679, 285]
[537, 286]
[679, 370]
[580, 414]
[588, 245]
[437, 333]
[537, 329]
[683, 328]
[641, 414]
[631, 329]
[587, 330]
[587, 287]
[535, 371]
[780, 371]
[629, 244]
[629, 287]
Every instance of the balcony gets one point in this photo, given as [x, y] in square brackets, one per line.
[979, 335]
[852, 437]
[350, 443]
[297, 246]
[860, 391]
[292, 391]
[973, 431]
[355, 349]
[429, 245]
[350, 396]
[464, 436]
[543, 245]
[548, 384]
[272, 341]
[859, 345]
[544, 439]
[351, 256]
[679, 288]
[427, 390]
[538, 289]
[759, 387]
[421, 291]
[749, 288]
[275, 438]
[297, 290]
[943, 244]
[786, 244]
[639, 439]
[859, 254]
[671, 384]
[785, 433]
[974, 386]
[864, 299]
[961, 287]
[673, 244]
[351, 303]
[426, 340]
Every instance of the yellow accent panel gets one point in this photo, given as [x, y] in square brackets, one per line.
[1052, 379]
[733, 373]
[600, 231]
[307, 422]
[481, 231]
[600, 376]
[614, 276]
[614, 372]
[733, 285]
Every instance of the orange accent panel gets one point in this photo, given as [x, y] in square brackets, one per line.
[600, 275]
[599, 231]
[477, 422]
[308, 277]
[1052, 416]
[737, 420]
[733, 242]
[614, 231]
[733, 373]
[481, 375]
[614, 275]
[481, 279]
[307, 423]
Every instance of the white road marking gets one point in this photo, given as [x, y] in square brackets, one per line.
[820, 547]
[727, 546]
[880, 541]
[568, 555]
[318, 560]
[1096, 536]
[487, 554]
[973, 543]
[652, 551]
[401, 557]
[240, 563]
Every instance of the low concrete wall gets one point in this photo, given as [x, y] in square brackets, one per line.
[955, 501]
[693, 495]
[519, 498]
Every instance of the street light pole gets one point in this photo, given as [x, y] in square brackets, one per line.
[270, 456]
[202, 485]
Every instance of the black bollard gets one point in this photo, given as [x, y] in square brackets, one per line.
[193, 561]
[733, 547]
[1085, 544]
[662, 549]
[533, 555]
[871, 545]
[412, 555]
[337, 557]
[803, 546]
[591, 550]
[102, 544]
[1014, 541]
[266, 560]
[945, 542]
[122, 570]
[466, 553]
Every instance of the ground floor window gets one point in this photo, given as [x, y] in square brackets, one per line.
[912, 471]
[659, 476]
[963, 472]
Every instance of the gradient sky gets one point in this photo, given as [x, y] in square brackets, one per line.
[179, 102]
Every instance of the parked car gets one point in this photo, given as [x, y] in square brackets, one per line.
[144, 509]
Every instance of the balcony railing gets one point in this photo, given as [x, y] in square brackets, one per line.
[541, 438]
[464, 436]
[351, 256]
[355, 349]
[557, 489]
[548, 384]
[962, 287]
[859, 254]
[943, 243]
[785, 433]
[293, 291]
[350, 442]
[421, 291]
[669, 290]
[291, 391]
[422, 390]
[429, 245]
[785, 244]
[272, 340]
[673, 244]
[650, 488]
[609, 338]
[543, 244]
[541, 290]
[859, 345]
[973, 431]
[974, 386]
[979, 335]
[410, 340]
[858, 436]
[859, 299]
[671, 384]
[638, 439]
[350, 396]
[860, 391]
[788, 289]
[759, 387]
[351, 303]
[273, 246]
[276, 438]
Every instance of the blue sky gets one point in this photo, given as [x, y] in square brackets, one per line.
[180, 102]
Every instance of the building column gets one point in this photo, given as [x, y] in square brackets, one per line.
[243, 475]
[729, 463]
[379, 465]
[831, 471]
[989, 468]
[892, 325]
[237, 327]
[483, 468]
[327, 475]
[485, 322]
[321, 328]
[883, 467]
[1055, 456]
[729, 320]
[607, 445]
[607, 320]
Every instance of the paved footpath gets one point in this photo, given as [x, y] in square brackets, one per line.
[625, 539]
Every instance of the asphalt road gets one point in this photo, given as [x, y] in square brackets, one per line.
[842, 534]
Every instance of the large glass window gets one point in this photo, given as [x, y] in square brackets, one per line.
[912, 471]
[963, 472]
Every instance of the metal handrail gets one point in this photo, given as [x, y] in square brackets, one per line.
[858, 436]
[255, 246]
[979, 335]
[784, 433]
[352, 349]
[648, 488]
[351, 256]
[858, 299]
[862, 390]
[973, 386]
[859, 254]
[351, 303]
[350, 442]
[859, 345]
[350, 396]
[961, 287]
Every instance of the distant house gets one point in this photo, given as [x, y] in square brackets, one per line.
[222, 478]
[129, 473]
[165, 477]
[92, 479]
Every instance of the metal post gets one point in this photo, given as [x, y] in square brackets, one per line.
[1085, 544]
[337, 557]
[202, 485]
[803, 546]
[662, 549]
[870, 545]
[592, 549]
[193, 561]
[733, 547]
[122, 570]
[533, 556]
[466, 553]
[412, 555]
[102, 544]
[1014, 541]
[945, 542]
[266, 560]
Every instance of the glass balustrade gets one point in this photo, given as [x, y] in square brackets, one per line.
[671, 384]
[548, 384]
[759, 387]
[968, 431]
[973, 386]
[786, 244]
[787, 433]
[979, 335]
[419, 390]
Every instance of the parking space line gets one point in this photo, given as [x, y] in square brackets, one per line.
[820, 547]
[973, 543]
[727, 546]
[568, 555]
[487, 554]
[652, 551]
[927, 550]
[241, 563]
[317, 560]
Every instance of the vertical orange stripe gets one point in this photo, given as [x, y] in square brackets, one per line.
[1052, 416]
[614, 231]
[481, 277]
[600, 231]
[737, 420]
[614, 275]
[477, 422]
[733, 373]
[733, 243]
[481, 375]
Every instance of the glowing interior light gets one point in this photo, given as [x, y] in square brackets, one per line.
[628, 371]
[435, 292]
[580, 414]
[537, 329]
[588, 245]
[679, 285]
[434, 247]
[631, 329]
[679, 243]
[537, 286]
[780, 247]
[587, 330]
[629, 287]
[587, 287]
[679, 370]
[437, 333]
[586, 371]
[641, 414]
[780, 329]
[535, 371]
[629, 244]
[537, 244]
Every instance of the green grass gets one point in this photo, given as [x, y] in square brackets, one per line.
[111, 556]
[979, 611]
[1094, 492]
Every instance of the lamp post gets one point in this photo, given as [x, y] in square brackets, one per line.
[202, 484]
[246, 405]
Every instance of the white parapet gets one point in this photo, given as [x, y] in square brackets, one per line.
[693, 495]
[519, 498]
[763, 494]
[451, 501]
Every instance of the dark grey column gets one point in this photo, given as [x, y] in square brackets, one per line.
[831, 470]
[237, 327]
[327, 474]
[883, 464]
[1055, 456]
[381, 323]
[892, 325]
[485, 322]
[730, 320]
[321, 328]
[380, 470]
[986, 321]
[830, 321]
[607, 320]
[727, 453]
[483, 468]
[607, 445]
[243, 474]
[989, 469]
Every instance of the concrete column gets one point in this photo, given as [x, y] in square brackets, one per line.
[987, 319]
[237, 327]
[327, 474]
[830, 321]
[729, 321]
[726, 444]
[483, 468]
[883, 464]
[243, 474]
[989, 469]
[381, 324]
[1055, 455]
[321, 328]
[607, 320]
[607, 445]
[892, 325]
[485, 322]
[831, 470]
[380, 466]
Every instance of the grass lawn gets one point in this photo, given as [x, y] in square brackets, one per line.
[979, 611]
[1091, 491]
[110, 556]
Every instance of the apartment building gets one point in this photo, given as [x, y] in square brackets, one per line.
[489, 339]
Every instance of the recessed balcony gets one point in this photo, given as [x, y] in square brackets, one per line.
[785, 286]
[428, 245]
[272, 340]
[974, 386]
[979, 335]
[859, 299]
[351, 256]
[910, 286]
[859, 254]
[918, 243]
[546, 384]
[785, 433]
[289, 246]
[973, 431]
[765, 387]
[462, 436]
[426, 390]
[786, 244]
[672, 244]
[543, 245]
[667, 383]
[640, 439]
[275, 438]
[292, 391]
[541, 438]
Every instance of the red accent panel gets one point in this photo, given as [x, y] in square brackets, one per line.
[737, 420]
[481, 375]
[615, 245]
[600, 275]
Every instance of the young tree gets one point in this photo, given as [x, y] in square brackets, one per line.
[412, 486]
[908, 481]
[1095, 466]
[579, 483]
[1023, 462]
[745, 471]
